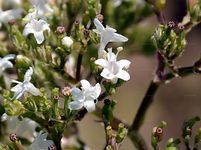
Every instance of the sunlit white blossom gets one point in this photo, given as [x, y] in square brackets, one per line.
[86, 97]
[67, 41]
[113, 69]
[7, 15]
[25, 86]
[41, 142]
[36, 27]
[107, 35]
[6, 63]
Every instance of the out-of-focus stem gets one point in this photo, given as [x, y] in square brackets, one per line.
[79, 64]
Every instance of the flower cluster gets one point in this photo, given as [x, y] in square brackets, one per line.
[42, 60]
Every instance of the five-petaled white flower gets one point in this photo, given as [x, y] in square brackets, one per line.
[86, 97]
[113, 69]
[36, 27]
[107, 35]
[25, 86]
[41, 142]
[6, 63]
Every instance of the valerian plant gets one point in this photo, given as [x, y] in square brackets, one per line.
[59, 61]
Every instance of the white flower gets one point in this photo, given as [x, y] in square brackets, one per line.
[67, 41]
[36, 27]
[25, 86]
[8, 15]
[113, 69]
[42, 7]
[86, 97]
[5, 63]
[107, 35]
[41, 142]
[24, 128]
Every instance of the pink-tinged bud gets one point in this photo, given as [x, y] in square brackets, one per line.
[171, 24]
[66, 91]
[12, 22]
[52, 147]
[192, 3]
[159, 133]
[60, 30]
[100, 17]
[13, 137]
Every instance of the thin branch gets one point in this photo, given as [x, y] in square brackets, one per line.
[79, 64]
[153, 87]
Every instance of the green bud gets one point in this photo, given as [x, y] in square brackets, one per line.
[109, 131]
[121, 134]
[109, 147]
[172, 148]
[14, 108]
[22, 62]
[198, 136]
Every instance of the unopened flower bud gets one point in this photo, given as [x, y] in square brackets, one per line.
[12, 22]
[100, 17]
[171, 24]
[67, 41]
[23, 61]
[52, 147]
[13, 137]
[60, 30]
[109, 131]
[66, 91]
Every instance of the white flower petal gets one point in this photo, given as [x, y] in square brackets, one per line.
[18, 94]
[9, 57]
[17, 88]
[107, 74]
[39, 37]
[98, 25]
[90, 106]
[5, 64]
[75, 105]
[32, 89]
[85, 84]
[97, 90]
[101, 62]
[77, 94]
[123, 75]
[41, 143]
[123, 63]
[28, 74]
[119, 38]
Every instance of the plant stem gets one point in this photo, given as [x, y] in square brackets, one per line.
[137, 140]
[153, 87]
[79, 64]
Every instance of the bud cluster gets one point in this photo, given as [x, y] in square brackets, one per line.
[115, 138]
[170, 40]
[157, 134]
